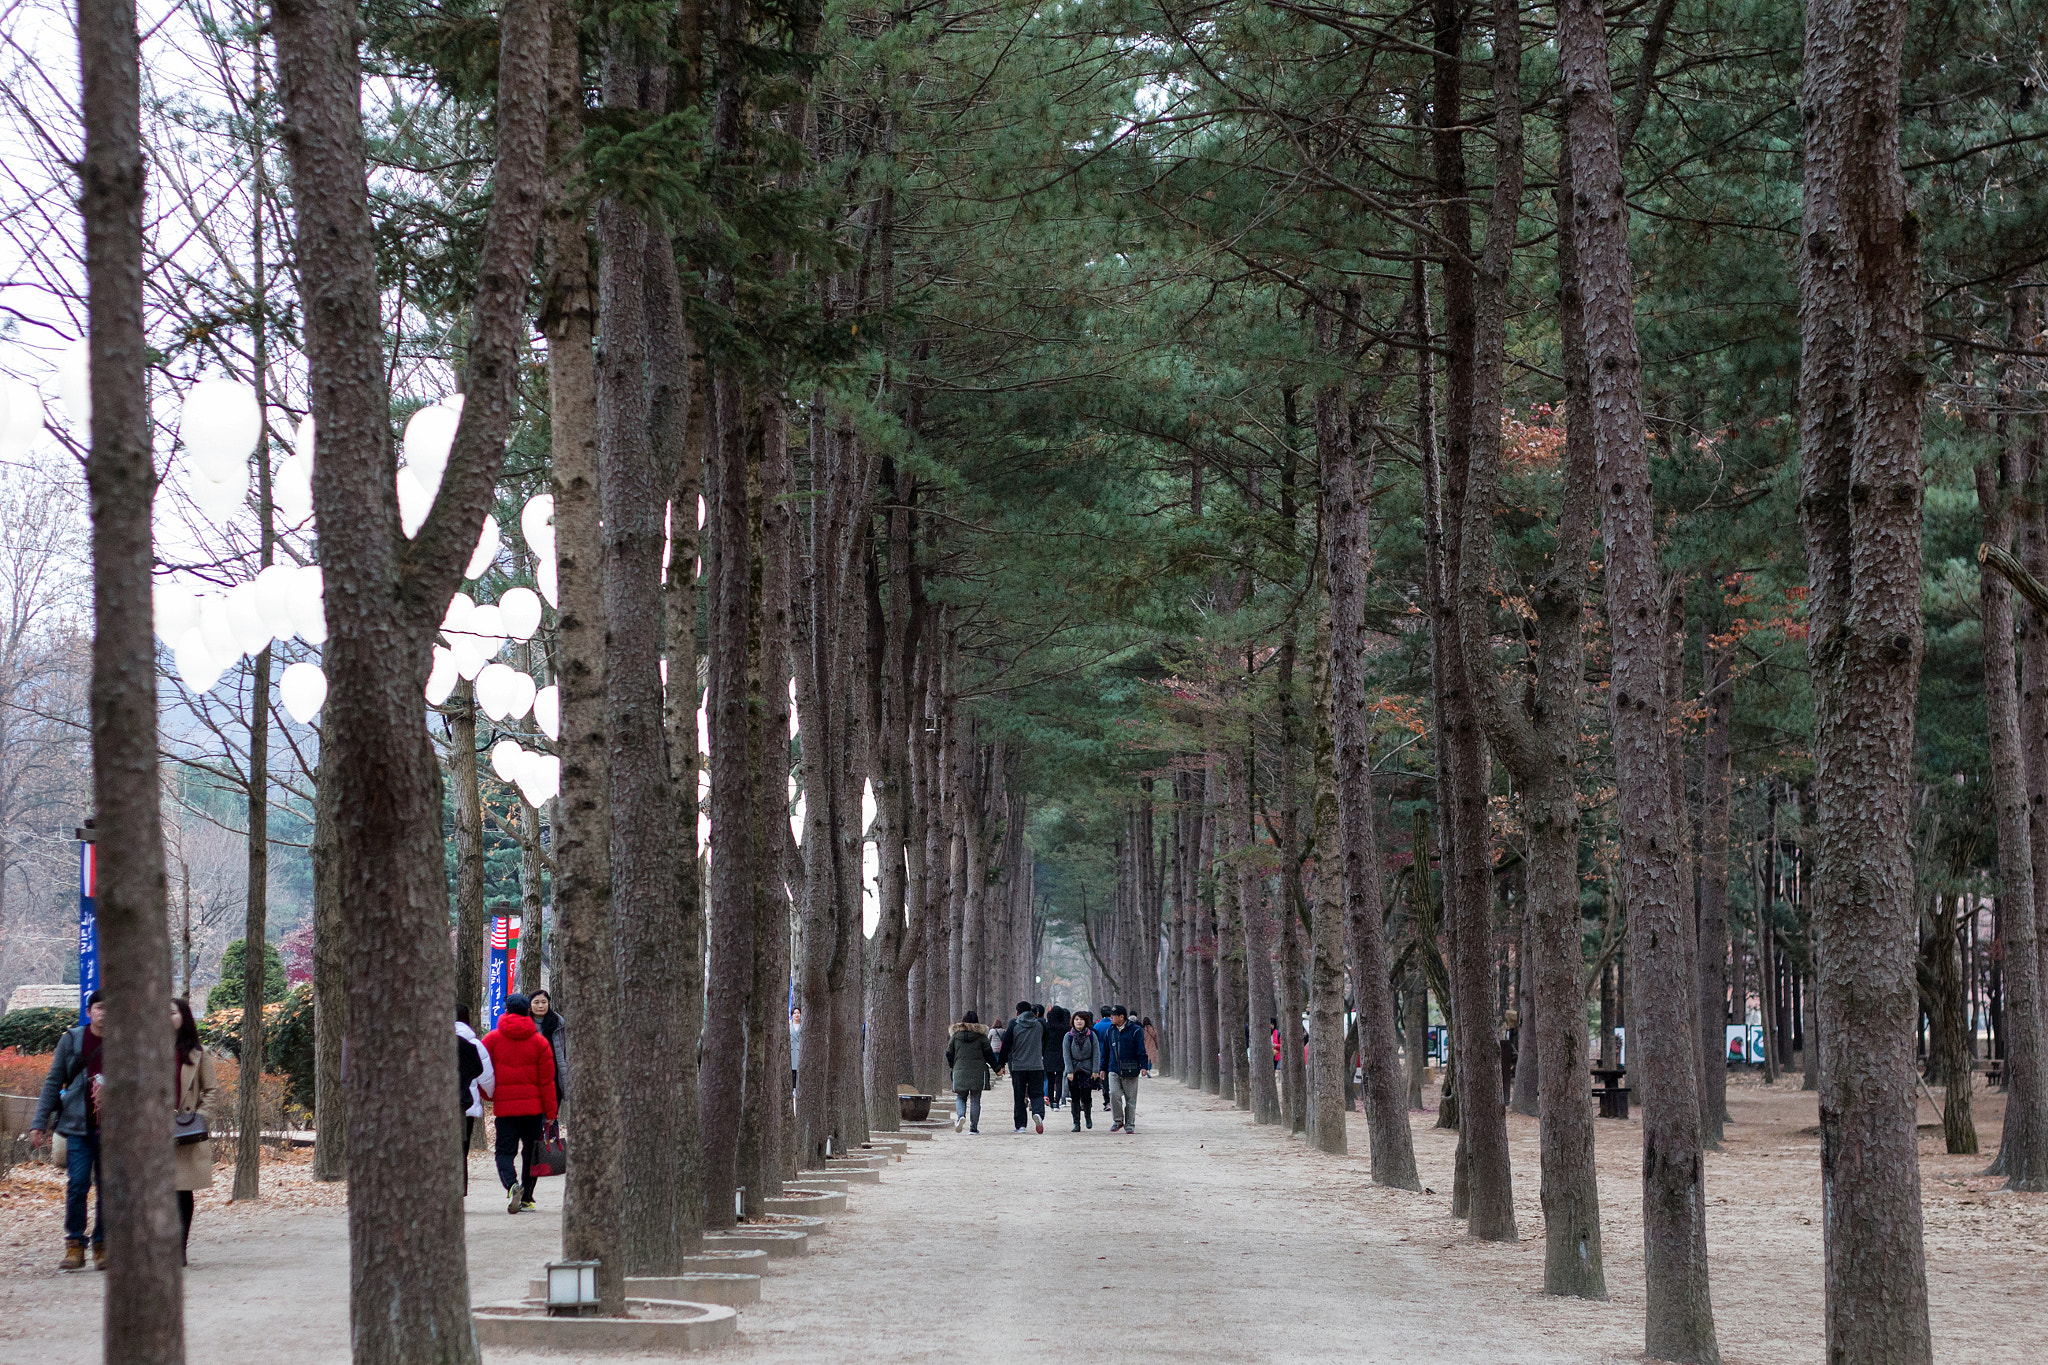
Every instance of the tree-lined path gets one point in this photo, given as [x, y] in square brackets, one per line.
[1204, 1238]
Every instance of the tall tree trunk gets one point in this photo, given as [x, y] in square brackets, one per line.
[676, 410]
[657, 1231]
[1255, 922]
[730, 602]
[2023, 1153]
[409, 1284]
[1346, 512]
[1959, 1129]
[1716, 772]
[1328, 1083]
[1661, 939]
[1861, 391]
[145, 1301]
[256, 900]
[471, 934]
[592, 1228]
[330, 980]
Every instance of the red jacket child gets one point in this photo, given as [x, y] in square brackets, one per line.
[525, 1067]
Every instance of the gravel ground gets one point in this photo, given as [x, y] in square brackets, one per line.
[1201, 1238]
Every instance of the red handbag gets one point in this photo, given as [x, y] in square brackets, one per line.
[553, 1156]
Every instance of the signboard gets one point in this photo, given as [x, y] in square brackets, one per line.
[1746, 1043]
[88, 925]
[504, 967]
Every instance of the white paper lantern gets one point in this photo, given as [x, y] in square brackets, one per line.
[219, 426]
[74, 385]
[537, 524]
[544, 579]
[486, 623]
[246, 619]
[303, 690]
[414, 502]
[218, 631]
[519, 613]
[486, 549]
[701, 511]
[304, 438]
[540, 779]
[519, 695]
[441, 681]
[198, 668]
[456, 618]
[309, 605]
[507, 759]
[219, 499]
[21, 418]
[470, 658]
[291, 490]
[275, 584]
[547, 711]
[176, 611]
[429, 435]
[493, 690]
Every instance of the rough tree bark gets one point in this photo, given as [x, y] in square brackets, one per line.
[256, 912]
[2023, 1152]
[409, 1284]
[1255, 923]
[591, 1218]
[1661, 938]
[657, 1230]
[470, 932]
[1716, 769]
[1860, 398]
[1483, 1189]
[330, 981]
[1346, 518]
[144, 1316]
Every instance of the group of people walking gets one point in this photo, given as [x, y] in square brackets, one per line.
[519, 1067]
[69, 1107]
[1052, 1054]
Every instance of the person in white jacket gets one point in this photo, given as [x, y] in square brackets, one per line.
[473, 1068]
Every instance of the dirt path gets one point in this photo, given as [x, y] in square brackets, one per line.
[1202, 1238]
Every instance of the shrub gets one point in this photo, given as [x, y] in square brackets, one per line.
[228, 993]
[287, 1036]
[22, 1073]
[35, 1030]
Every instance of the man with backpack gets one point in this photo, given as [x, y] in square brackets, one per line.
[1125, 1059]
[1024, 1054]
[70, 1103]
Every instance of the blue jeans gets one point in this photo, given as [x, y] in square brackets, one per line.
[82, 1169]
[967, 1104]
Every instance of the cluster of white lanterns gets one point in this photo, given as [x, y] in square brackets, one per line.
[208, 633]
[538, 776]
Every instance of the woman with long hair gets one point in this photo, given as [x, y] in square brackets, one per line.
[555, 1029]
[194, 1163]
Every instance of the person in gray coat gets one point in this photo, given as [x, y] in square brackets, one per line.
[1081, 1055]
[971, 1059]
[70, 1104]
[1025, 1048]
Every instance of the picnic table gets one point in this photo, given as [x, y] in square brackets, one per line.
[1611, 1093]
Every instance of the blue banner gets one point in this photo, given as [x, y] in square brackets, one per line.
[504, 964]
[88, 926]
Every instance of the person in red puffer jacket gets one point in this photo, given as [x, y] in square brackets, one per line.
[523, 1097]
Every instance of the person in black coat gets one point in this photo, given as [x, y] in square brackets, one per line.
[1058, 1019]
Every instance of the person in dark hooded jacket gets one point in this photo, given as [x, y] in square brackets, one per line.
[523, 1066]
[972, 1059]
[1024, 1049]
